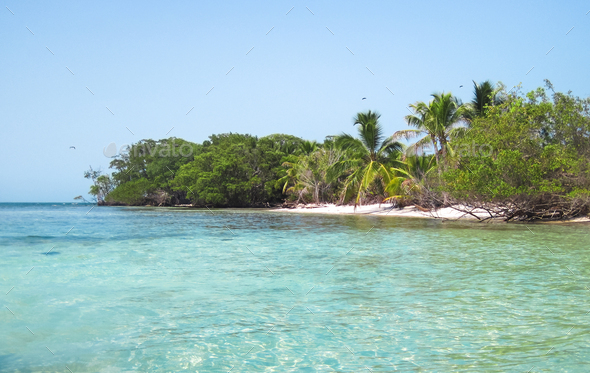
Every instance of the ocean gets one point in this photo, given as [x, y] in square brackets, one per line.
[121, 289]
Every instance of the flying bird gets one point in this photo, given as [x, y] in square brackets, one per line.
[364, 98]
[73, 147]
[460, 86]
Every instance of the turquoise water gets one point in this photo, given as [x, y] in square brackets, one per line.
[144, 289]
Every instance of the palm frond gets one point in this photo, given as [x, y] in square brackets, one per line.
[369, 130]
[420, 146]
[348, 143]
[368, 176]
[458, 133]
[390, 146]
[406, 134]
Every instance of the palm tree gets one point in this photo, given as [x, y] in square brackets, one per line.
[423, 120]
[306, 175]
[484, 95]
[307, 147]
[449, 112]
[409, 176]
[435, 121]
[367, 157]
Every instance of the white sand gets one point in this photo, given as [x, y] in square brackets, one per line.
[384, 209]
[447, 213]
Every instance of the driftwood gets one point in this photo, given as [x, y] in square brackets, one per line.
[546, 207]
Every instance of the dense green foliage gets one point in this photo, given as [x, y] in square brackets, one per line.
[237, 170]
[516, 156]
[226, 170]
[535, 150]
[306, 178]
[146, 172]
[133, 192]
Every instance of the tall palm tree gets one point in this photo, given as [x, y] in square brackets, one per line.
[448, 112]
[423, 120]
[368, 157]
[435, 121]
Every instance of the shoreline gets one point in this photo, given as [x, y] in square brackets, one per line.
[445, 213]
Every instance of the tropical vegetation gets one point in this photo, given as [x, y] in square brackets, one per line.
[516, 156]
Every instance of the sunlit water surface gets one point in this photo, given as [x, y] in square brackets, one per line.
[145, 289]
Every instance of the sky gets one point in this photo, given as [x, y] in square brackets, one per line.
[88, 74]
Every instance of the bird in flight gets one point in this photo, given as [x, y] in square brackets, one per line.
[460, 86]
[364, 98]
[73, 147]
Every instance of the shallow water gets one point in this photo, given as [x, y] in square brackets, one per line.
[144, 289]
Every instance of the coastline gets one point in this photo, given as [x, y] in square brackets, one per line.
[443, 214]
[446, 213]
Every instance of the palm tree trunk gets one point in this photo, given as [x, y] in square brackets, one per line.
[443, 146]
[436, 153]
[316, 193]
[443, 150]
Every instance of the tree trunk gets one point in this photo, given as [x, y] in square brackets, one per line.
[438, 165]
[436, 156]
[443, 146]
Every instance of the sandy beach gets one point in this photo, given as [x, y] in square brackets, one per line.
[447, 213]
[385, 210]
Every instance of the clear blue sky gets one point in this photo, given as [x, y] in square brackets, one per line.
[151, 62]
